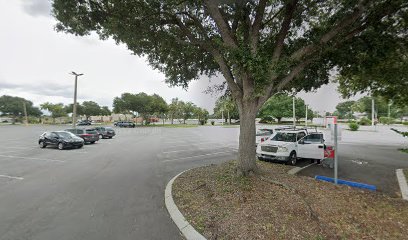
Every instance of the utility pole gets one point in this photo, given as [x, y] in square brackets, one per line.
[25, 113]
[372, 111]
[389, 108]
[75, 98]
[294, 111]
[306, 117]
[229, 119]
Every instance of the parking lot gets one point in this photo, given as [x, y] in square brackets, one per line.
[114, 189]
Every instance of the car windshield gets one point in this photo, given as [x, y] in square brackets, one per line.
[92, 131]
[108, 128]
[285, 137]
[65, 134]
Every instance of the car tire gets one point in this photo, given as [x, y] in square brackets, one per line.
[260, 159]
[80, 146]
[60, 146]
[292, 159]
[92, 142]
[42, 144]
[110, 137]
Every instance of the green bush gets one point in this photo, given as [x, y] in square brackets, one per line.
[364, 121]
[387, 120]
[202, 122]
[353, 126]
[405, 123]
[212, 122]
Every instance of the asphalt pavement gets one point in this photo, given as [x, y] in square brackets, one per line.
[369, 156]
[113, 189]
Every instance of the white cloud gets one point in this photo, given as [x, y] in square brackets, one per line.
[37, 7]
[35, 61]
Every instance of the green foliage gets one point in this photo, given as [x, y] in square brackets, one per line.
[386, 120]
[353, 126]
[145, 105]
[260, 50]
[405, 123]
[13, 106]
[281, 105]
[56, 110]
[344, 110]
[364, 121]
[226, 105]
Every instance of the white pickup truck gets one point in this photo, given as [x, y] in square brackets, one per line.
[290, 144]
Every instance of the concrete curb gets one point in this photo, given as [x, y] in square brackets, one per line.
[402, 181]
[295, 170]
[185, 228]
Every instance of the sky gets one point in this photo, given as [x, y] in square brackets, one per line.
[35, 62]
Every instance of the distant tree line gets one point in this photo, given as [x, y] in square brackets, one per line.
[148, 106]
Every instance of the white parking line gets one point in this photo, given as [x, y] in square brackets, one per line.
[203, 155]
[21, 147]
[11, 177]
[29, 158]
[187, 150]
[194, 144]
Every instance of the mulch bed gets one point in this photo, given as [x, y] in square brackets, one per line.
[275, 205]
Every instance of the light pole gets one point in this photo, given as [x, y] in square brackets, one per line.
[294, 111]
[306, 117]
[75, 97]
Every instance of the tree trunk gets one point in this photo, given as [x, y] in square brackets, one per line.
[247, 150]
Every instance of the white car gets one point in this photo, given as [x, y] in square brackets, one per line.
[262, 135]
[290, 144]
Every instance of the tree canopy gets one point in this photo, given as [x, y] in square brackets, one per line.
[13, 106]
[344, 109]
[57, 110]
[227, 106]
[281, 105]
[260, 47]
[143, 104]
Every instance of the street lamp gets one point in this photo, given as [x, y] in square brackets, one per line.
[75, 97]
[293, 109]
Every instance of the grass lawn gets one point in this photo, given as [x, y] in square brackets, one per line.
[275, 205]
[170, 125]
[405, 150]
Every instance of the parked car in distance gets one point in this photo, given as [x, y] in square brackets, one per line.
[61, 139]
[262, 135]
[125, 124]
[84, 123]
[105, 132]
[90, 135]
[290, 144]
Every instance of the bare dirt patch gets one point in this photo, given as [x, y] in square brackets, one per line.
[275, 205]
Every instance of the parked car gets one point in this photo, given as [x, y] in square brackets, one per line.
[125, 124]
[290, 144]
[61, 139]
[84, 123]
[90, 135]
[262, 135]
[105, 132]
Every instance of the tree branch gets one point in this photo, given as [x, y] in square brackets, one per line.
[289, 10]
[226, 72]
[256, 26]
[224, 28]
[346, 21]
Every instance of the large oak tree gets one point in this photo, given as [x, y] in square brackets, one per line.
[260, 47]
